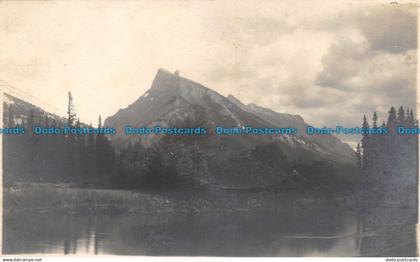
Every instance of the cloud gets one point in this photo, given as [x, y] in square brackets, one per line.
[374, 66]
[342, 63]
[330, 70]
[390, 28]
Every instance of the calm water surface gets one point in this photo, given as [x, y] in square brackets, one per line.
[227, 233]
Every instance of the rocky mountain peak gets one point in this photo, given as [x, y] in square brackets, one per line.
[174, 100]
[165, 79]
[234, 100]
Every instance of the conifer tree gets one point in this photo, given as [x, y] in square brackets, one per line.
[90, 138]
[71, 115]
[80, 138]
[31, 121]
[392, 116]
[375, 119]
[70, 151]
[90, 153]
[99, 122]
[365, 143]
[99, 147]
[359, 156]
[412, 116]
[401, 114]
[365, 125]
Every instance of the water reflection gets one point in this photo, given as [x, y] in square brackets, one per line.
[316, 229]
[387, 231]
[227, 234]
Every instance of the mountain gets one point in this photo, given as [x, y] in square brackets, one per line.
[327, 145]
[26, 157]
[21, 111]
[240, 161]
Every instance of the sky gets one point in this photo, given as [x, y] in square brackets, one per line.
[329, 62]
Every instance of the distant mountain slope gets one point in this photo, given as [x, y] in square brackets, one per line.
[21, 111]
[325, 144]
[230, 161]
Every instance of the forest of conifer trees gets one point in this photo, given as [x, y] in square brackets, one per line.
[382, 155]
[79, 159]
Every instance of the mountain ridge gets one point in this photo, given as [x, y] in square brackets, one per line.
[237, 161]
[172, 98]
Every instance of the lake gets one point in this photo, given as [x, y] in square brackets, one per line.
[53, 220]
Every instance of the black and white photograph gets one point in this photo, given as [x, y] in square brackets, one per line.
[209, 128]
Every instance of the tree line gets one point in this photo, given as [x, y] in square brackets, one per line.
[80, 159]
[91, 160]
[382, 157]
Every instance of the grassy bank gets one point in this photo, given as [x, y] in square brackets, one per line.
[62, 198]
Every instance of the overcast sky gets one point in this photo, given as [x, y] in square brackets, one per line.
[328, 62]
